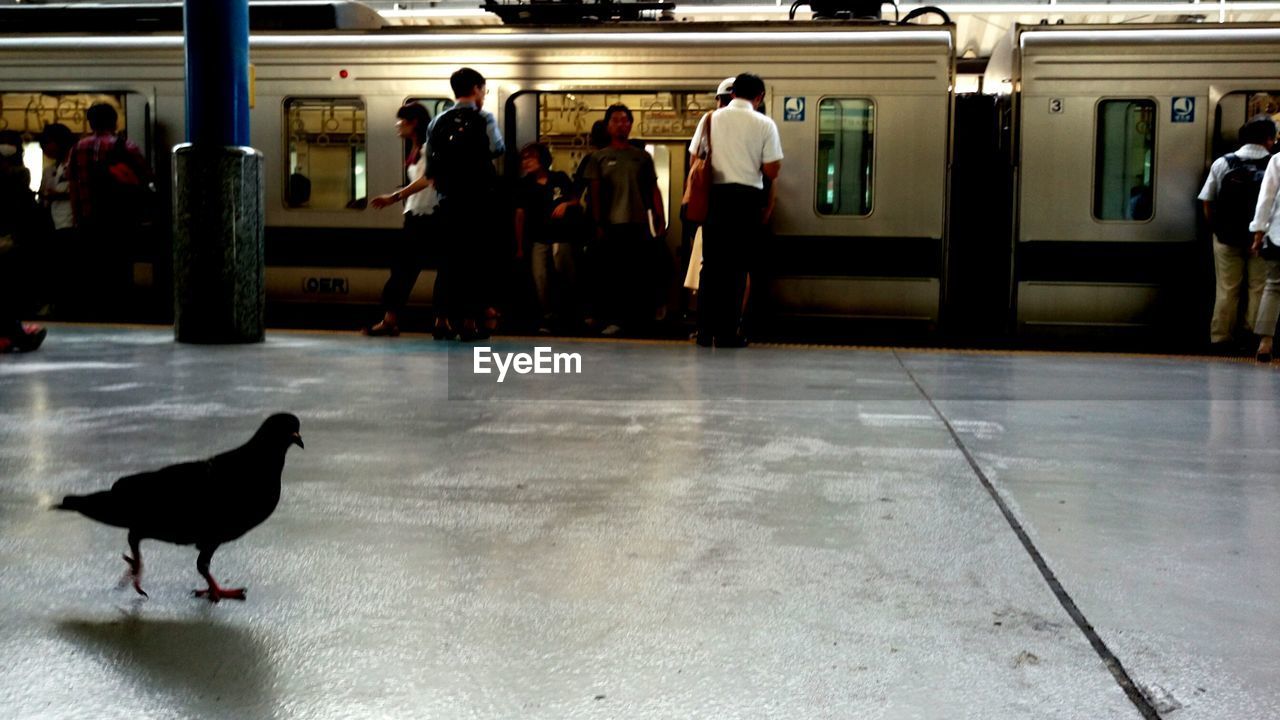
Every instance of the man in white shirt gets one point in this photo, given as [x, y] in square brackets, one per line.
[1232, 259]
[745, 149]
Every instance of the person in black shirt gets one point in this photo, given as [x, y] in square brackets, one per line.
[546, 215]
[24, 230]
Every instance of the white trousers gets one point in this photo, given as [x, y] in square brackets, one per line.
[1269, 310]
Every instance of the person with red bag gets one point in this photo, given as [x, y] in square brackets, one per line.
[112, 193]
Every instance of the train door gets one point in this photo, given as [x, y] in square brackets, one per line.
[1234, 109]
[663, 123]
[29, 112]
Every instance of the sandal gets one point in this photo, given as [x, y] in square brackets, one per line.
[381, 330]
[443, 331]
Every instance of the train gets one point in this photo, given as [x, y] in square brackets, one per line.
[1057, 202]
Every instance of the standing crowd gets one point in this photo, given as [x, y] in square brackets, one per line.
[94, 197]
[1239, 203]
[590, 249]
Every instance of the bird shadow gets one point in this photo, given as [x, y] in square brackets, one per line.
[208, 668]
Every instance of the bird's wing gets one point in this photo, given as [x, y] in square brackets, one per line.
[251, 488]
[167, 493]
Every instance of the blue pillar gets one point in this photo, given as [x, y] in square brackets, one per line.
[217, 52]
[218, 206]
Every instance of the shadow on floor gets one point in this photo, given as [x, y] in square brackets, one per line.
[196, 668]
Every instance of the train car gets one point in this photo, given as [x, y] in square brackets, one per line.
[1115, 127]
[1061, 205]
[864, 115]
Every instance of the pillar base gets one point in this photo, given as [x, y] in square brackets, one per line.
[219, 272]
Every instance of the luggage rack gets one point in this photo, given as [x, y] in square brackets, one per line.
[575, 12]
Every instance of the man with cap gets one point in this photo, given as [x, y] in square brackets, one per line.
[724, 92]
[745, 149]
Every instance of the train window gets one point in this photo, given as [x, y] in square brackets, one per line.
[30, 112]
[662, 120]
[1124, 169]
[434, 106]
[1234, 110]
[664, 123]
[846, 134]
[326, 157]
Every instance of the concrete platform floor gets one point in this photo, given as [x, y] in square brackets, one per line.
[675, 533]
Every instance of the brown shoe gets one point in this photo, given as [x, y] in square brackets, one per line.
[381, 329]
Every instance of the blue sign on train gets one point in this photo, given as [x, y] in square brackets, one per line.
[1184, 110]
[793, 109]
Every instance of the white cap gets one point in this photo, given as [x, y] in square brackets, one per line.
[726, 86]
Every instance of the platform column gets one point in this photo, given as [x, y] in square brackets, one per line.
[218, 203]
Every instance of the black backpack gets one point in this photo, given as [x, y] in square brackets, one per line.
[1237, 198]
[459, 160]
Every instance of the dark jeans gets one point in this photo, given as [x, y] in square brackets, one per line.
[11, 304]
[411, 252]
[554, 275]
[622, 277]
[14, 302]
[466, 231]
[730, 239]
[107, 283]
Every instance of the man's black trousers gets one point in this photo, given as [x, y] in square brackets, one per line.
[730, 239]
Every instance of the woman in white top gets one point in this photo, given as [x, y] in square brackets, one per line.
[56, 141]
[420, 201]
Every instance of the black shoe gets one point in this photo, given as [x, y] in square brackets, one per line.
[471, 333]
[737, 341]
[30, 339]
[703, 340]
[1263, 357]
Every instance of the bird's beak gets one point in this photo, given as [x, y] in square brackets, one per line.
[297, 440]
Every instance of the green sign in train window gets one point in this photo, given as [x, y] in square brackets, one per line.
[1124, 169]
[846, 131]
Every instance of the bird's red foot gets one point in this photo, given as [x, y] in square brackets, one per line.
[214, 593]
[134, 575]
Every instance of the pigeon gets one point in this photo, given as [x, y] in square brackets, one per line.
[204, 503]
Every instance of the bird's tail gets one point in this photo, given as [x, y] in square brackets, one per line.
[101, 506]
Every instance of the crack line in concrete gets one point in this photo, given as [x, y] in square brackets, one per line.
[1109, 659]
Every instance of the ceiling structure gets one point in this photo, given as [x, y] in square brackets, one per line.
[980, 24]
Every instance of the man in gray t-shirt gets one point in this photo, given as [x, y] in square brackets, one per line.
[627, 179]
[623, 191]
